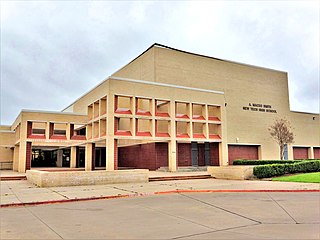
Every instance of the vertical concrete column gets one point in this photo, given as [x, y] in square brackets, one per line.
[206, 126]
[111, 154]
[310, 153]
[110, 147]
[172, 144]
[68, 131]
[73, 157]
[15, 165]
[190, 114]
[152, 104]
[89, 156]
[172, 155]
[223, 146]
[22, 157]
[59, 157]
[290, 152]
[47, 132]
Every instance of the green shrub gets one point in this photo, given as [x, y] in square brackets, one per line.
[266, 171]
[262, 162]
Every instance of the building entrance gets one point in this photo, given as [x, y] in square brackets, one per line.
[200, 154]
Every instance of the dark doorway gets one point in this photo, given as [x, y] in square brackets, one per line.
[200, 154]
[81, 157]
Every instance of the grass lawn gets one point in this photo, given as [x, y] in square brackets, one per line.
[304, 177]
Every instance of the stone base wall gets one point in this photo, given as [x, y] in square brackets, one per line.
[232, 172]
[6, 165]
[77, 178]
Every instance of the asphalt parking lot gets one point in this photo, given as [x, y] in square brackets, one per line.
[254, 215]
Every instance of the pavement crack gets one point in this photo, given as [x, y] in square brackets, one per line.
[219, 230]
[33, 214]
[126, 190]
[59, 194]
[276, 202]
[171, 215]
[223, 209]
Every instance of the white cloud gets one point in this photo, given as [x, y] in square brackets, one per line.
[71, 46]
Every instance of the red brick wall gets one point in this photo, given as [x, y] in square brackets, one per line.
[146, 156]
[93, 156]
[184, 154]
[316, 152]
[162, 157]
[300, 153]
[116, 155]
[28, 155]
[214, 154]
[242, 152]
[29, 129]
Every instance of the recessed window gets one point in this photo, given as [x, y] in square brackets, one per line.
[123, 104]
[143, 106]
[162, 108]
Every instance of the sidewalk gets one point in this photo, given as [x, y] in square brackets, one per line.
[22, 192]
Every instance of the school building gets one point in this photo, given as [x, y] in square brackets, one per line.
[166, 109]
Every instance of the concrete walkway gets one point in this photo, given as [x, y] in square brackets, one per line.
[252, 215]
[23, 192]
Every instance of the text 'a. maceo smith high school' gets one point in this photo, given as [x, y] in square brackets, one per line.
[167, 108]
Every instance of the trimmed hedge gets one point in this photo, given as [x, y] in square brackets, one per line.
[265, 162]
[262, 162]
[266, 171]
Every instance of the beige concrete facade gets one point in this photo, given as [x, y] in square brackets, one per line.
[169, 96]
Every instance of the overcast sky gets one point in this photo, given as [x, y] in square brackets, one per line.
[54, 51]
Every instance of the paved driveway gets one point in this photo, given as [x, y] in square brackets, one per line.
[171, 216]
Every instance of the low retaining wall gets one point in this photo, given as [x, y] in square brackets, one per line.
[77, 178]
[6, 165]
[232, 172]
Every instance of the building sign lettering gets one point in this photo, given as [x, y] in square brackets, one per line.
[258, 107]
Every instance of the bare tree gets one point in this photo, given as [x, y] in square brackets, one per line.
[281, 132]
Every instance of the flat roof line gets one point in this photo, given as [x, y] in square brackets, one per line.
[206, 56]
[54, 112]
[166, 85]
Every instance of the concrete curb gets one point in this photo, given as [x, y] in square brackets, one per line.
[154, 193]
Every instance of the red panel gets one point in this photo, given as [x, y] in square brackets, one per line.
[123, 111]
[162, 114]
[144, 134]
[144, 113]
[214, 119]
[159, 134]
[300, 153]
[78, 137]
[184, 154]
[182, 135]
[60, 137]
[28, 155]
[198, 117]
[196, 135]
[123, 133]
[214, 136]
[214, 154]
[242, 152]
[37, 136]
[178, 115]
[316, 152]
